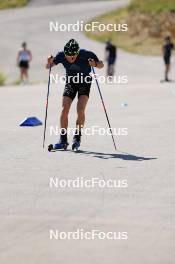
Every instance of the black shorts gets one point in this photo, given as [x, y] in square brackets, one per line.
[167, 60]
[72, 89]
[24, 64]
[111, 60]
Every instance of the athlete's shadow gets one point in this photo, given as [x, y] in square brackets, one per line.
[170, 81]
[123, 156]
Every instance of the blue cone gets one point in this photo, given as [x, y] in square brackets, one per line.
[31, 121]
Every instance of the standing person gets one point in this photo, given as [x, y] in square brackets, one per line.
[77, 62]
[167, 52]
[111, 55]
[23, 59]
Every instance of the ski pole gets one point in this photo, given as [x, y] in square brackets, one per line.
[47, 102]
[104, 107]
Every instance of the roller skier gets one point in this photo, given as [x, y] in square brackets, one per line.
[77, 62]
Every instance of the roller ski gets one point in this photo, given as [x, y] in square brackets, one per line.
[61, 145]
[76, 142]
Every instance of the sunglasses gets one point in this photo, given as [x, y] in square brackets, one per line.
[72, 53]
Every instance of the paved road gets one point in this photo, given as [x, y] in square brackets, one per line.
[32, 25]
[55, 2]
[145, 158]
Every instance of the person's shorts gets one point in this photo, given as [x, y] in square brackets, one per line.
[72, 89]
[111, 60]
[167, 60]
[24, 64]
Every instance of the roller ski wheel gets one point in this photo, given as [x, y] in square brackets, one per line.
[50, 147]
[75, 146]
[58, 146]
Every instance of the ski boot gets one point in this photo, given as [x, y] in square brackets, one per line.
[76, 142]
[62, 144]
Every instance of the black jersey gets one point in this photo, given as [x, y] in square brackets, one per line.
[81, 64]
[167, 48]
[111, 49]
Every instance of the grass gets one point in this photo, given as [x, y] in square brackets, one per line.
[136, 43]
[4, 4]
[16, 82]
[154, 6]
[2, 79]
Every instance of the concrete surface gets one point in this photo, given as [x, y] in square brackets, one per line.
[55, 2]
[31, 24]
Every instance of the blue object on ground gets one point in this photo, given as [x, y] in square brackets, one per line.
[31, 121]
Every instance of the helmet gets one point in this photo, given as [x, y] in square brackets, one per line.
[71, 48]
